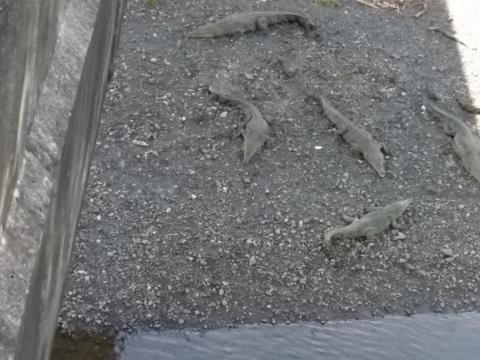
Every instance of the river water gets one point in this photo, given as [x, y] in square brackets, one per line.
[435, 337]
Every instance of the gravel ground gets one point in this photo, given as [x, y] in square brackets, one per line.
[176, 232]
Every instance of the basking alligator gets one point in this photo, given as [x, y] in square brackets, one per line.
[359, 139]
[255, 130]
[250, 21]
[370, 224]
[465, 143]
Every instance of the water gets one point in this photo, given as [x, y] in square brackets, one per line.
[81, 346]
[435, 337]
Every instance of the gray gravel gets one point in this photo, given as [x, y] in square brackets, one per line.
[177, 233]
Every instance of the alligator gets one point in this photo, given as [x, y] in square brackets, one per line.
[255, 130]
[356, 136]
[370, 224]
[250, 21]
[466, 143]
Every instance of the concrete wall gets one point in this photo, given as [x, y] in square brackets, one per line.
[54, 62]
[28, 31]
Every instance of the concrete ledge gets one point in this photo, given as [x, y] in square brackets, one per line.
[40, 221]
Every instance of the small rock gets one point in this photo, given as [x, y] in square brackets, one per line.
[224, 302]
[153, 60]
[193, 196]
[139, 142]
[221, 292]
[249, 76]
[168, 210]
[224, 114]
[252, 261]
[423, 273]
[109, 254]
[447, 252]
[410, 267]
[181, 322]
[399, 236]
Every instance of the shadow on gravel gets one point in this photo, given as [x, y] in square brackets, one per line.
[178, 234]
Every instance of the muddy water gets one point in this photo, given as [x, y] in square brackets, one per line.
[83, 347]
[420, 337]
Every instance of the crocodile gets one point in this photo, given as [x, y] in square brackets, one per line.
[254, 130]
[250, 21]
[370, 224]
[356, 136]
[465, 143]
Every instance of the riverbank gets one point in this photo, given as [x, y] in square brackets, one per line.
[176, 232]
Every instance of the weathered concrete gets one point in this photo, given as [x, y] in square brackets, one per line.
[28, 32]
[57, 73]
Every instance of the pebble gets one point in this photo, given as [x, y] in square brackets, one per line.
[221, 292]
[153, 60]
[224, 302]
[399, 236]
[109, 254]
[410, 267]
[249, 76]
[224, 114]
[252, 261]
[168, 210]
[423, 273]
[447, 252]
[139, 143]
[181, 322]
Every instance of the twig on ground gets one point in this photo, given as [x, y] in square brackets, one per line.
[447, 34]
[367, 3]
[405, 4]
[422, 12]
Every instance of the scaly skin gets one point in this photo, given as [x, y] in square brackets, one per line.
[256, 130]
[359, 139]
[250, 21]
[370, 224]
[465, 143]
